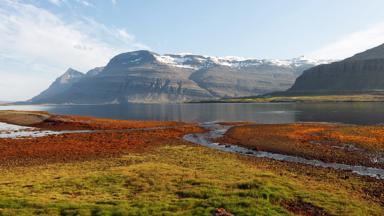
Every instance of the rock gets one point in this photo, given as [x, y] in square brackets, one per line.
[221, 212]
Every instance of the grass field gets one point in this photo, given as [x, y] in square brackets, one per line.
[173, 180]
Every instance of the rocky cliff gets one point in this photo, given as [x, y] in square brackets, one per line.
[361, 73]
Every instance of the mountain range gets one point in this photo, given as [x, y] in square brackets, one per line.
[361, 73]
[147, 77]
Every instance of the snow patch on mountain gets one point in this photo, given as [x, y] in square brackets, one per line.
[197, 62]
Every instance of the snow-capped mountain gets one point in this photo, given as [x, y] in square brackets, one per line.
[144, 76]
[197, 61]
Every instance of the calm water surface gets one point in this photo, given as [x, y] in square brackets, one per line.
[356, 113]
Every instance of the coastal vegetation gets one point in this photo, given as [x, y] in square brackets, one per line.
[299, 99]
[154, 172]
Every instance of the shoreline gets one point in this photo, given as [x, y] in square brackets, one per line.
[148, 162]
[363, 98]
[332, 98]
[329, 142]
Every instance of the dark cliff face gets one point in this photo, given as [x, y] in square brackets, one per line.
[155, 84]
[136, 77]
[224, 81]
[147, 77]
[361, 73]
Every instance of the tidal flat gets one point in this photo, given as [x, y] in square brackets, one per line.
[147, 168]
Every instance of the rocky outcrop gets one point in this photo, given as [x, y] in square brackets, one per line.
[362, 73]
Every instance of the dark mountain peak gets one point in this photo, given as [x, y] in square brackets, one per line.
[61, 84]
[72, 71]
[142, 52]
[133, 58]
[69, 75]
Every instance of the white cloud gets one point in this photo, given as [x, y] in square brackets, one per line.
[348, 45]
[60, 2]
[36, 43]
[14, 87]
[114, 2]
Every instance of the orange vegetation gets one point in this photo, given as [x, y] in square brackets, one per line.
[349, 144]
[83, 146]
[61, 122]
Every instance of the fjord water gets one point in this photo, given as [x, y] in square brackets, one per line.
[354, 113]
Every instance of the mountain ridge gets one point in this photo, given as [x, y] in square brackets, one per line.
[147, 77]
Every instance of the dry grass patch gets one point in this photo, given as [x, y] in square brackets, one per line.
[23, 117]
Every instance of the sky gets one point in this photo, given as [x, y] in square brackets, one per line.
[40, 39]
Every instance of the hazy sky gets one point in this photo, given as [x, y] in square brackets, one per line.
[40, 39]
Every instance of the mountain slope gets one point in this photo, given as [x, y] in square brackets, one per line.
[225, 81]
[60, 85]
[95, 71]
[146, 77]
[361, 73]
[374, 53]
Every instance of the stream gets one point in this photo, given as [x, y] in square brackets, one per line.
[216, 130]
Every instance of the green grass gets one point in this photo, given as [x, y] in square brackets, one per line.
[314, 98]
[171, 180]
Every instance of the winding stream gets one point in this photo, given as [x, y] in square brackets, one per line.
[216, 130]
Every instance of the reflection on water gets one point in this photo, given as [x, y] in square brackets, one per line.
[357, 113]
